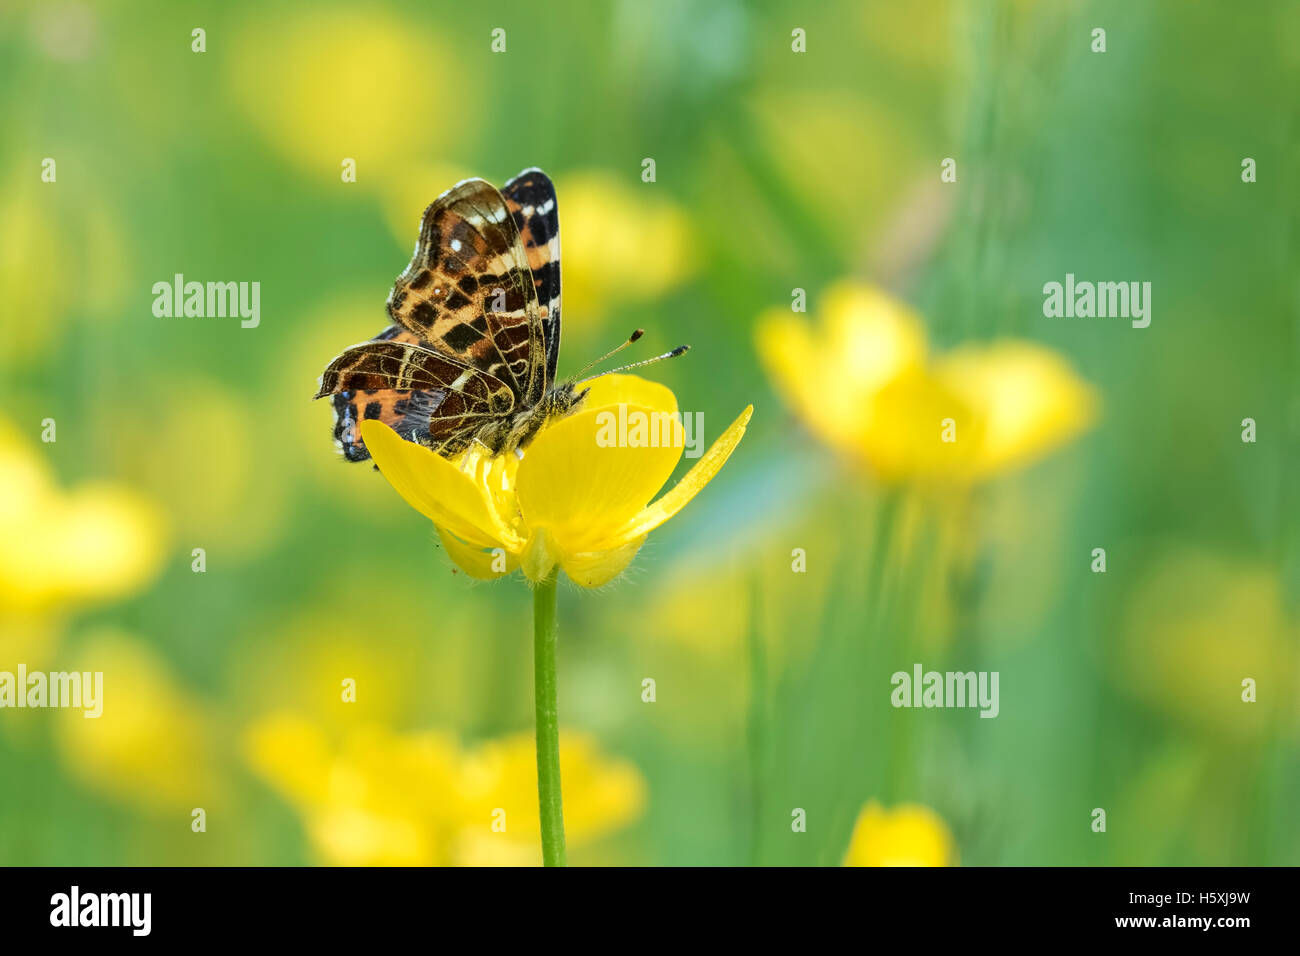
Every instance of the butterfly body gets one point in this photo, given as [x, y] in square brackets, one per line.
[471, 353]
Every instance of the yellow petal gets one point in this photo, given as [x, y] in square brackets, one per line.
[1029, 399]
[540, 555]
[594, 568]
[620, 243]
[787, 350]
[616, 389]
[435, 487]
[872, 335]
[477, 563]
[923, 430]
[582, 480]
[908, 835]
[153, 740]
[292, 753]
[111, 541]
[691, 484]
[830, 375]
[348, 836]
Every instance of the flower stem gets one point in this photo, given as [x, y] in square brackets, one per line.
[548, 726]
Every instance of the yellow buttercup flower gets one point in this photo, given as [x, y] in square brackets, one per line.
[1027, 401]
[375, 799]
[60, 547]
[575, 499]
[152, 743]
[863, 383]
[421, 799]
[908, 835]
[601, 795]
[579, 499]
[621, 243]
[344, 83]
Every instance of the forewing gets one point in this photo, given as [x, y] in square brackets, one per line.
[469, 292]
[530, 197]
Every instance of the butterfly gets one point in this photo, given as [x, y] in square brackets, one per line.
[475, 334]
[472, 350]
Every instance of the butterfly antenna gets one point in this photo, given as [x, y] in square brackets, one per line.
[650, 361]
[614, 351]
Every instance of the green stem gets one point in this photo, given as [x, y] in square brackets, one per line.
[548, 723]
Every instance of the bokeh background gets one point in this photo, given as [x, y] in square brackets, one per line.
[776, 170]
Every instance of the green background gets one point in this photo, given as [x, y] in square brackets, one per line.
[1118, 691]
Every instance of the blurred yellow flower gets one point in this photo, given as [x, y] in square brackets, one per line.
[600, 795]
[572, 500]
[621, 243]
[908, 835]
[863, 383]
[1195, 628]
[345, 83]
[1027, 398]
[60, 547]
[152, 746]
[382, 798]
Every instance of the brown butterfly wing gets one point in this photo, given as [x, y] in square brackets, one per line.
[425, 396]
[469, 293]
[530, 198]
[407, 411]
